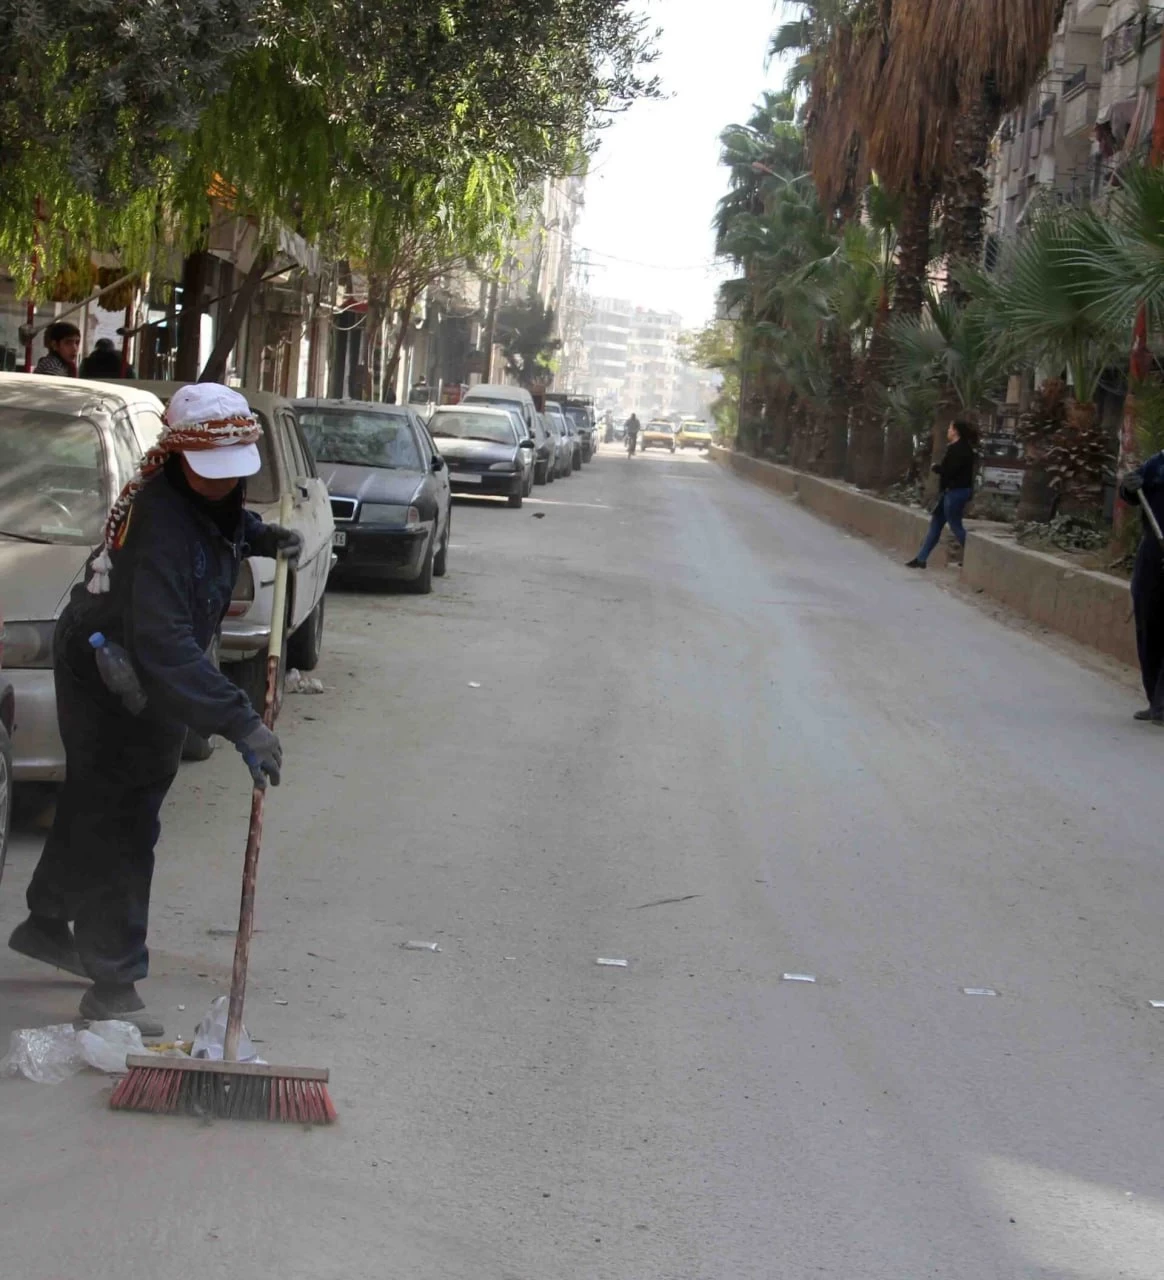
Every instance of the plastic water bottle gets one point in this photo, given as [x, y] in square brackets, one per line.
[117, 673]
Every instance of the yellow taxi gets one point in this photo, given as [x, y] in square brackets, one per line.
[694, 433]
[658, 435]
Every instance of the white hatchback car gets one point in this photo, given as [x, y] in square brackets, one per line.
[67, 447]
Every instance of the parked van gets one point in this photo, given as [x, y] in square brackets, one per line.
[495, 395]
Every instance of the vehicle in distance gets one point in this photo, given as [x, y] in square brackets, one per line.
[485, 451]
[694, 433]
[389, 489]
[658, 434]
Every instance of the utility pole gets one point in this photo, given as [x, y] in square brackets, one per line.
[490, 333]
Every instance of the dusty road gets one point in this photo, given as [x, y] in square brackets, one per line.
[689, 690]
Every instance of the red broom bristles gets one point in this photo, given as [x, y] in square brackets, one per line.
[218, 1091]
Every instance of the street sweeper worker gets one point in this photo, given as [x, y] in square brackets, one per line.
[158, 587]
[1148, 584]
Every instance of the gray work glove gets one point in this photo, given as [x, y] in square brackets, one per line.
[274, 540]
[263, 754]
[1130, 485]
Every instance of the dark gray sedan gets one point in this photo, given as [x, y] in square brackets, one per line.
[389, 489]
[486, 451]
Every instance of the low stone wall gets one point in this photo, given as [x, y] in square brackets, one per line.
[1090, 607]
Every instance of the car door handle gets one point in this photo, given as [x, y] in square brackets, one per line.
[301, 486]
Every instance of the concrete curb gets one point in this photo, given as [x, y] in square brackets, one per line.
[1088, 606]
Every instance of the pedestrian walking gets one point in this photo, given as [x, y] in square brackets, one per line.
[955, 475]
[63, 341]
[104, 361]
[158, 587]
[1148, 583]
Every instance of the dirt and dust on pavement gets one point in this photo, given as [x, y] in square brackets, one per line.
[679, 723]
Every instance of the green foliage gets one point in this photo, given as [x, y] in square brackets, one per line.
[525, 333]
[717, 346]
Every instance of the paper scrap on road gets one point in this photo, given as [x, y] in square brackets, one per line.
[798, 977]
[419, 946]
[1156, 1004]
[611, 963]
[474, 684]
[979, 991]
[297, 682]
[666, 902]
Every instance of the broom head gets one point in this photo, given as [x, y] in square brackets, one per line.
[224, 1090]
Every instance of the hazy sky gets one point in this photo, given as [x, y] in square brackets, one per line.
[653, 185]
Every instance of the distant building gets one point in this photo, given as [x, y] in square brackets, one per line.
[632, 357]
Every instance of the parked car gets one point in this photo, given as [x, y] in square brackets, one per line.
[545, 452]
[574, 448]
[67, 448]
[485, 451]
[496, 395]
[288, 468]
[658, 434]
[563, 445]
[7, 723]
[580, 411]
[694, 433]
[389, 488]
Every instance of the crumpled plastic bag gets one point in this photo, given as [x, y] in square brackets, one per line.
[48, 1055]
[211, 1035]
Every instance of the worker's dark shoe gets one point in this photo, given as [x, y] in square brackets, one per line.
[1151, 715]
[915, 563]
[119, 1003]
[49, 941]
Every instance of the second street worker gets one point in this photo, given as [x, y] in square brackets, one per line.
[159, 587]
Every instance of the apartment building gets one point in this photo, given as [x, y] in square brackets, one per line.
[1091, 113]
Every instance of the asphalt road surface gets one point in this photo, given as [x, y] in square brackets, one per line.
[680, 722]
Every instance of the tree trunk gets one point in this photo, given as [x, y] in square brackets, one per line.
[401, 333]
[964, 191]
[195, 276]
[867, 446]
[913, 250]
[215, 369]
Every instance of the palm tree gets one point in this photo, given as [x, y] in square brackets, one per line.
[1052, 302]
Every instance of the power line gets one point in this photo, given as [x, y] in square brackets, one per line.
[708, 265]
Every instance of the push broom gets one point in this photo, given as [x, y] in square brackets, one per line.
[233, 1090]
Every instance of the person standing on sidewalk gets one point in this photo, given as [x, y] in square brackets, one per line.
[1148, 584]
[63, 341]
[955, 474]
[159, 587]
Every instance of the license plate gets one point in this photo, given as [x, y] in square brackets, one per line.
[339, 538]
[465, 477]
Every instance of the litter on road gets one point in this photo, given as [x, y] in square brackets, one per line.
[979, 991]
[612, 964]
[419, 946]
[474, 684]
[798, 977]
[48, 1055]
[297, 682]
[1156, 1004]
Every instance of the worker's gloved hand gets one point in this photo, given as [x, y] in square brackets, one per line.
[1130, 485]
[936, 468]
[274, 541]
[263, 754]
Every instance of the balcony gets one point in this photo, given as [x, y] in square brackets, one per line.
[1089, 15]
[1079, 111]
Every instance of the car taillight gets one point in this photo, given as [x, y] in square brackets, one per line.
[244, 592]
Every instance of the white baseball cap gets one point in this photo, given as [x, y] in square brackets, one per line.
[207, 404]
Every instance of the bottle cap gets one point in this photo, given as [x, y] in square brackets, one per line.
[97, 640]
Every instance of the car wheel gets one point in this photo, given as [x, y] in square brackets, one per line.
[515, 499]
[304, 647]
[540, 473]
[5, 794]
[528, 485]
[672, 448]
[440, 565]
[422, 584]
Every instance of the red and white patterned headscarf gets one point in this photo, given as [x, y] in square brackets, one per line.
[203, 415]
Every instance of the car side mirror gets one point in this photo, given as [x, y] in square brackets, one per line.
[528, 444]
[438, 463]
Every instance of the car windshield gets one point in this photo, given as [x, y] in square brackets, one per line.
[696, 426]
[53, 480]
[578, 417]
[467, 425]
[361, 438]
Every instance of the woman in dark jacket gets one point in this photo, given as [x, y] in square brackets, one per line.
[956, 475]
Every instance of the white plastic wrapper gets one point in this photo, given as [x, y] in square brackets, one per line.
[48, 1055]
[211, 1035]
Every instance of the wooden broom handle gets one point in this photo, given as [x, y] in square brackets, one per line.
[246, 912]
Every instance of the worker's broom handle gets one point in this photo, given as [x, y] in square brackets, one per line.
[246, 913]
[1150, 516]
